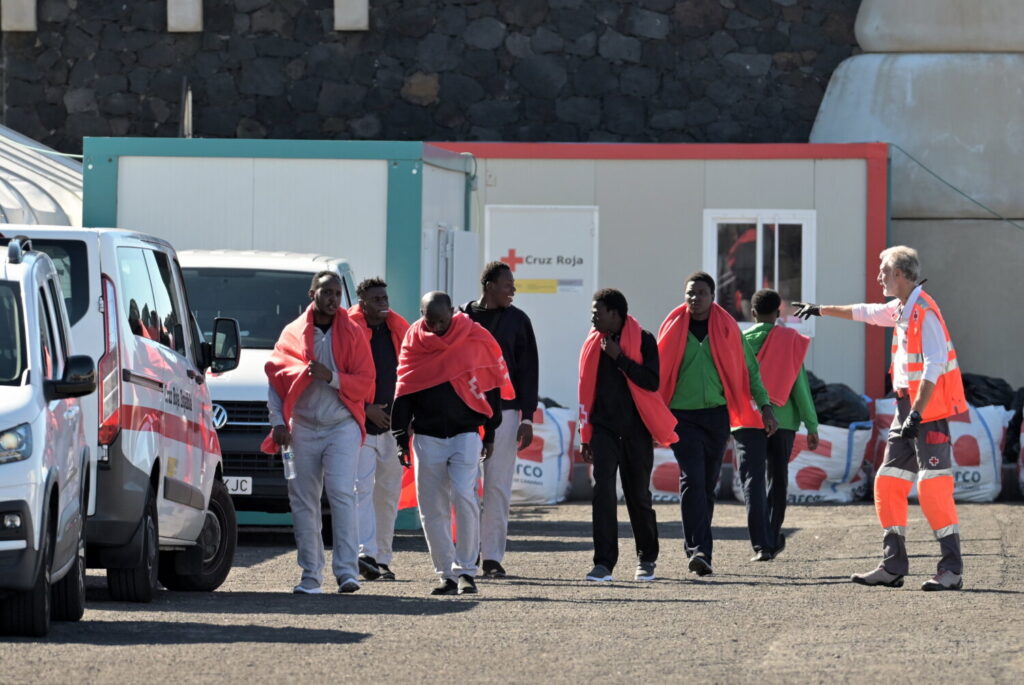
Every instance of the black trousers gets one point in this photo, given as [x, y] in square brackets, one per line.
[780, 447]
[703, 434]
[633, 458]
[764, 471]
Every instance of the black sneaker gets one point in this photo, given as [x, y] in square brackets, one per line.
[446, 587]
[645, 571]
[466, 585]
[700, 565]
[385, 572]
[368, 568]
[493, 569]
[762, 555]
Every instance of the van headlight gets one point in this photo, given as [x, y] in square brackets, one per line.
[16, 443]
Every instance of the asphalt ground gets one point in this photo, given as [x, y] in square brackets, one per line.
[795, 619]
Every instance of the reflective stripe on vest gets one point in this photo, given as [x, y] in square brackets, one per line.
[948, 396]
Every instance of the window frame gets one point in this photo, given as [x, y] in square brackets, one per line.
[806, 218]
[48, 338]
[22, 327]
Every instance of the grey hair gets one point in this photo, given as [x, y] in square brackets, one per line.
[903, 258]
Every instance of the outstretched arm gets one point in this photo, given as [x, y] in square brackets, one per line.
[886, 314]
[805, 310]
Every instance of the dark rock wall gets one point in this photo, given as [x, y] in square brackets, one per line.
[512, 70]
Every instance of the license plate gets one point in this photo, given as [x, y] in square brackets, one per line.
[239, 485]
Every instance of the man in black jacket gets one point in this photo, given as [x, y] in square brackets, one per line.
[511, 327]
[619, 413]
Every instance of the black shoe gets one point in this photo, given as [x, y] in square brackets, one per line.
[467, 586]
[492, 569]
[385, 572]
[446, 587]
[762, 555]
[700, 565]
[368, 568]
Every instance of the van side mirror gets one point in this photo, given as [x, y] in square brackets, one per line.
[79, 379]
[226, 345]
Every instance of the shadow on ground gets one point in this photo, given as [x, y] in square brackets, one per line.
[235, 602]
[132, 632]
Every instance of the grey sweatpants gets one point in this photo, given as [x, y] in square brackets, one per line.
[446, 478]
[378, 489]
[498, 473]
[325, 459]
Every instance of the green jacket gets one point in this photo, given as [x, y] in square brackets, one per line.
[698, 385]
[800, 406]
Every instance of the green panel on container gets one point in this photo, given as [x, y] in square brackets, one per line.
[408, 519]
[263, 518]
[405, 200]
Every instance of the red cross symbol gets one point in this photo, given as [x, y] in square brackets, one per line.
[512, 259]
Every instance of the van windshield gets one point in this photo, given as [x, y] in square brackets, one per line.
[12, 335]
[263, 301]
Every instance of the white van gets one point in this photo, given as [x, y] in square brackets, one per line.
[160, 508]
[44, 456]
[263, 291]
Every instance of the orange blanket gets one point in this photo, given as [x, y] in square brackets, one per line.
[653, 411]
[781, 357]
[287, 367]
[397, 325]
[467, 356]
[727, 353]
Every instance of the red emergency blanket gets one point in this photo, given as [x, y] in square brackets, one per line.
[726, 351]
[287, 368]
[467, 356]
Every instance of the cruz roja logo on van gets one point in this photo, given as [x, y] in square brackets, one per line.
[219, 415]
[513, 260]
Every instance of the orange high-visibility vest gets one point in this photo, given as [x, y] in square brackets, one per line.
[948, 397]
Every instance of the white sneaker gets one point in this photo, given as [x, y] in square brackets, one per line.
[307, 586]
[600, 574]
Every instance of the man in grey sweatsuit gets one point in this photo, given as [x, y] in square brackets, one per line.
[325, 438]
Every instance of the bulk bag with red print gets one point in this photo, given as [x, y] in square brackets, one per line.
[543, 469]
[833, 473]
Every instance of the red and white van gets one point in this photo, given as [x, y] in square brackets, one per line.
[160, 508]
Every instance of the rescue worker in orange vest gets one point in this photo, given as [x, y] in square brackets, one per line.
[926, 378]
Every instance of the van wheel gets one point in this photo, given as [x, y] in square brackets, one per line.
[28, 613]
[217, 542]
[68, 599]
[138, 584]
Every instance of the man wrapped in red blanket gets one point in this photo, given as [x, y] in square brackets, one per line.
[321, 377]
[620, 413]
[451, 379]
[711, 381]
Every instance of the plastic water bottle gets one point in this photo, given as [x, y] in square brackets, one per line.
[288, 460]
